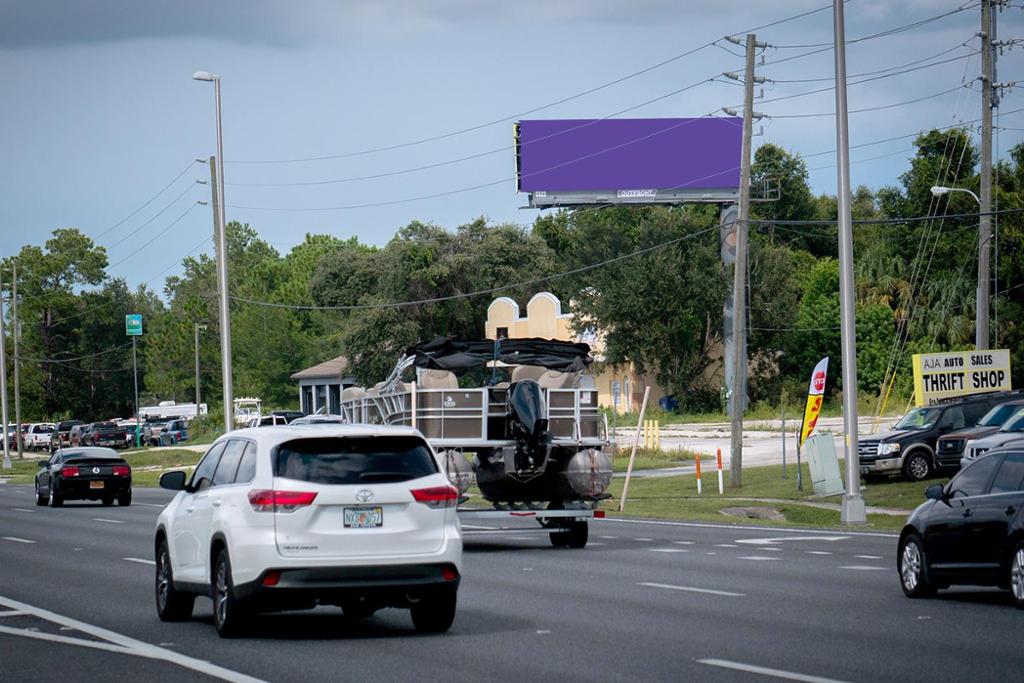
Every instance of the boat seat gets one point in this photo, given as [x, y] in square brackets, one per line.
[436, 379]
[521, 372]
[553, 379]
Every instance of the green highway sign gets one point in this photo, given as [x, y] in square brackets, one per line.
[133, 324]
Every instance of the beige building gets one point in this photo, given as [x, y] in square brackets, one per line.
[618, 386]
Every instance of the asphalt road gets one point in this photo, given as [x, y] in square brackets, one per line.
[644, 601]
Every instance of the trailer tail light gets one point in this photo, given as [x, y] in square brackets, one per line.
[599, 514]
[449, 573]
[266, 500]
[70, 471]
[437, 496]
[122, 470]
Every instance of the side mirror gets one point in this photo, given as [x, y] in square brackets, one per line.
[934, 492]
[173, 481]
[44, 463]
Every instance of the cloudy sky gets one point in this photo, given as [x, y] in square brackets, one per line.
[100, 111]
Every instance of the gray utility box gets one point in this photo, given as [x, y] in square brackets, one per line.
[820, 450]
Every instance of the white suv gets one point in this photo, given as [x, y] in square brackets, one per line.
[292, 517]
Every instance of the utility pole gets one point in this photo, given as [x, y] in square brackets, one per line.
[198, 393]
[852, 510]
[981, 331]
[16, 333]
[739, 288]
[220, 242]
[3, 381]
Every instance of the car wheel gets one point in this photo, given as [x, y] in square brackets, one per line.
[917, 466]
[228, 613]
[1017, 576]
[56, 500]
[171, 604]
[40, 498]
[435, 613]
[125, 499]
[913, 566]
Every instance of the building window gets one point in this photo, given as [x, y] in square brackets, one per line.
[502, 333]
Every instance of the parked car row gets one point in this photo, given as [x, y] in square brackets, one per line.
[943, 437]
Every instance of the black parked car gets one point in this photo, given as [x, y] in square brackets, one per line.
[969, 532]
[104, 434]
[909, 449]
[84, 474]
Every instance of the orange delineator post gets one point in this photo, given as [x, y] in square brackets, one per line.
[721, 490]
[698, 473]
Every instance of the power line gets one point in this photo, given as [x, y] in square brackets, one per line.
[512, 117]
[150, 200]
[867, 109]
[885, 221]
[155, 237]
[157, 214]
[877, 71]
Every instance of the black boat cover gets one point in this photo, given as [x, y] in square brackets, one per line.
[458, 355]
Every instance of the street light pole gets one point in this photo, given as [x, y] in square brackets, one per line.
[222, 257]
[852, 510]
[3, 382]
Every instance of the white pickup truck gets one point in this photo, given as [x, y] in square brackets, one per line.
[37, 435]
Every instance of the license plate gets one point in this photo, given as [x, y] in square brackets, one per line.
[95, 484]
[364, 518]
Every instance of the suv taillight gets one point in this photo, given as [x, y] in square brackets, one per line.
[266, 500]
[437, 496]
[122, 470]
[69, 471]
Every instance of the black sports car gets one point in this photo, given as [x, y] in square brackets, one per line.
[969, 532]
[84, 474]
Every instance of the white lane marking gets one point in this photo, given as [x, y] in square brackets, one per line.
[690, 589]
[779, 539]
[139, 560]
[596, 543]
[864, 568]
[22, 510]
[710, 553]
[609, 538]
[741, 527]
[683, 542]
[543, 632]
[765, 671]
[868, 557]
[135, 647]
[151, 505]
[108, 521]
[769, 548]
[15, 539]
[817, 552]
[668, 550]
[54, 638]
[726, 545]
[643, 539]
[759, 558]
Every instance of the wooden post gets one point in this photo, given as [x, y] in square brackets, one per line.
[698, 473]
[636, 442]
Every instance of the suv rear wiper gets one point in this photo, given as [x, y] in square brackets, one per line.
[385, 476]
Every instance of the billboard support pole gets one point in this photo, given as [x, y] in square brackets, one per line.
[852, 510]
[739, 288]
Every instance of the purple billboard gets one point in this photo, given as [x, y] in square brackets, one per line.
[633, 158]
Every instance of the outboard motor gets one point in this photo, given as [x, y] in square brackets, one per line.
[527, 424]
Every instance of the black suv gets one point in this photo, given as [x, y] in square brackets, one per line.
[909, 449]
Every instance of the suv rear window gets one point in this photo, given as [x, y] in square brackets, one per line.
[354, 460]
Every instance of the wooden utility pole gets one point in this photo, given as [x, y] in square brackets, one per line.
[3, 381]
[739, 287]
[981, 331]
